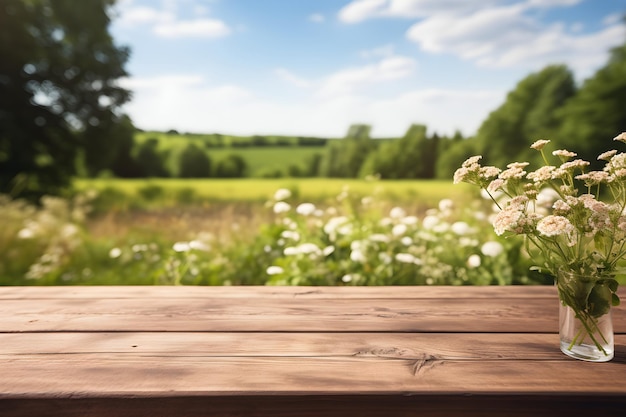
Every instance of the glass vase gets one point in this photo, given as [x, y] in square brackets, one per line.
[588, 339]
[585, 323]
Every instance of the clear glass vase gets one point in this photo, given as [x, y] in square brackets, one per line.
[585, 323]
[588, 339]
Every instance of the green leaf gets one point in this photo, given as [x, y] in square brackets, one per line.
[615, 301]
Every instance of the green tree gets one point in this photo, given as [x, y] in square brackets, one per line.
[151, 163]
[124, 163]
[412, 156]
[529, 113]
[232, 166]
[194, 163]
[58, 90]
[344, 157]
[598, 112]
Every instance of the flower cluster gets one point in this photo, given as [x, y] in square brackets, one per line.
[581, 228]
[352, 244]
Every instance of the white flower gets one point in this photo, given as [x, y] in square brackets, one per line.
[346, 278]
[290, 234]
[538, 145]
[410, 220]
[115, 253]
[181, 247]
[554, 226]
[199, 245]
[621, 137]
[331, 226]
[406, 241]
[492, 248]
[357, 255]
[282, 194]
[328, 250]
[305, 209]
[26, 233]
[379, 237]
[397, 213]
[473, 261]
[430, 221]
[446, 204]
[303, 249]
[274, 270]
[407, 258]
[399, 229]
[461, 228]
[281, 207]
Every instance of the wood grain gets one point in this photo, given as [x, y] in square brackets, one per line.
[279, 351]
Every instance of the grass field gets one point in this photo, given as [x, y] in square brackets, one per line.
[426, 192]
[262, 161]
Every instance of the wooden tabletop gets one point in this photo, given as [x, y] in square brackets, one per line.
[296, 351]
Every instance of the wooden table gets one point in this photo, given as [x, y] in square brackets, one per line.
[296, 351]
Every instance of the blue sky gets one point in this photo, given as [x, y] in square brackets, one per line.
[314, 67]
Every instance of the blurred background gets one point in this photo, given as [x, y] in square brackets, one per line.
[129, 126]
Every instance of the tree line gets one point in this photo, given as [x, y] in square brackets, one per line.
[60, 115]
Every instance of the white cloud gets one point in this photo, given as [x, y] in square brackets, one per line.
[189, 103]
[317, 18]
[166, 23]
[291, 78]
[353, 79]
[360, 10]
[206, 28]
[495, 33]
[130, 16]
[506, 37]
[381, 51]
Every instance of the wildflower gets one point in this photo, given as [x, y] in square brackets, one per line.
[621, 137]
[606, 156]
[282, 194]
[562, 153]
[399, 229]
[274, 270]
[180, 247]
[539, 145]
[512, 173]
[473, 261]
[357, 255]
[26, 233]
[281, 207]
[115, 253]
[397, 213]
[407, 258]
[492, 248]
[461, 228]
[507, 220]
[543, 174]
[495, 185]
[593, 177]
[554, 225]
[446, 204]
[430, 222]
[305, 209]
[578, 163]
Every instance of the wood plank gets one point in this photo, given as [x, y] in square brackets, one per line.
[261, 314]
[475, 346]
[217, 314]
[97, 376]
[243, 292]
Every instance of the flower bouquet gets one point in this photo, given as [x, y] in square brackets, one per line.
[580, 237]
